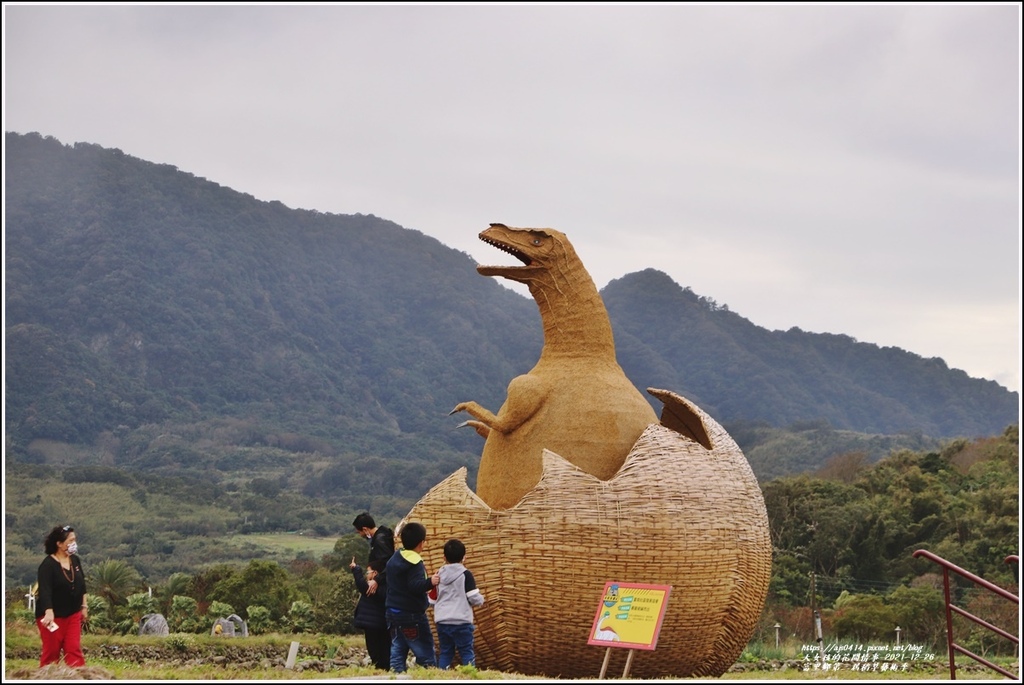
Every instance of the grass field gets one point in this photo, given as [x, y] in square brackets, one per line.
[22, 669]
[285, 543]
[110, 657]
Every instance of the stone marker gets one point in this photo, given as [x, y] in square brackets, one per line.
[293, 652]
[154, 624]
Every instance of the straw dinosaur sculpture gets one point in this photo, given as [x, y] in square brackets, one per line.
[577, 468]
[576, 401]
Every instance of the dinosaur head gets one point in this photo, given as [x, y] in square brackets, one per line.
[537, 248]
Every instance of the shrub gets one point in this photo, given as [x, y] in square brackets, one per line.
[21, 616]
[301, 617]
[259, 621]
[184, 616]
[140, 604]
[181, 642]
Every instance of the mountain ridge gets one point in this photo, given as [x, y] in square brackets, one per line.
[165, 296]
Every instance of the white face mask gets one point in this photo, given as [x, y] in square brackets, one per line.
[73, 548]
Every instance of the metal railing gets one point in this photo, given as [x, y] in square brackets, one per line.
[951, 608]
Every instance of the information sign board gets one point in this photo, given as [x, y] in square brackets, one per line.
[629, 615]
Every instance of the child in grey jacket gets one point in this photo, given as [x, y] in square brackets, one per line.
[457, 594]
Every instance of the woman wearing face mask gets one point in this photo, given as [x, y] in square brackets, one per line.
[61, 608]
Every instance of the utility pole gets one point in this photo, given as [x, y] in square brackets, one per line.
[817, 620]
[819, 637]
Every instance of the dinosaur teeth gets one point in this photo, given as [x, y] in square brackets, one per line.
[508, 250]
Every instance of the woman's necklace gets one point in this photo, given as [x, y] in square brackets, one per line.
[70, 578]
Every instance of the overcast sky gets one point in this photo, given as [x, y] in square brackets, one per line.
[847, 169]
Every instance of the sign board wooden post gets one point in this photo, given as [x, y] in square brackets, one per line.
[629, 616]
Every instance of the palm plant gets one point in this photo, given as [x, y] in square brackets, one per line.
[184, 615]
[139, 605]
[113, 580]
[177, 584]
[99, 620]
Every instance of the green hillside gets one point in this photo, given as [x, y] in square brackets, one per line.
[161, 328]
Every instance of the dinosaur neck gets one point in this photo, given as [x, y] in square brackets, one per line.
[573, 315]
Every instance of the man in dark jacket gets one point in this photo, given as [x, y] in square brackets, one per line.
[370, 612]
[408, 584]
[382, 540]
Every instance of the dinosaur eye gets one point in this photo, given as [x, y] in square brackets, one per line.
[536, 241]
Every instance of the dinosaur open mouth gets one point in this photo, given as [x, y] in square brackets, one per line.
[509, 249]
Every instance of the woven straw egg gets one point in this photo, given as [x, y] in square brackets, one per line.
[684, 510]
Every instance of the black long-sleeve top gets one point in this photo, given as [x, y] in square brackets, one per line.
[370, 608]
[382, 544]
[60, 590]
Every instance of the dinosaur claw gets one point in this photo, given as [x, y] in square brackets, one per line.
[481, 429]
[453, 411]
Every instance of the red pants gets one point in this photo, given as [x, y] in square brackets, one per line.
[67, 637]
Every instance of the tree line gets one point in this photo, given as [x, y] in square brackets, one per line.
[844, 537]
[843, 540]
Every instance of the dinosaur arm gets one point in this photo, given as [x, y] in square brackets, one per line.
[483, 417]
[526, 394]
[481, 429]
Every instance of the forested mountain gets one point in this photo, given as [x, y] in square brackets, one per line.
[169, 323]
[738, 371]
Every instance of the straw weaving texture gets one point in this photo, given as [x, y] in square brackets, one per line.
[676, 514]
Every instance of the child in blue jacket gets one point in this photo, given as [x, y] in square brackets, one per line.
[408, 584]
